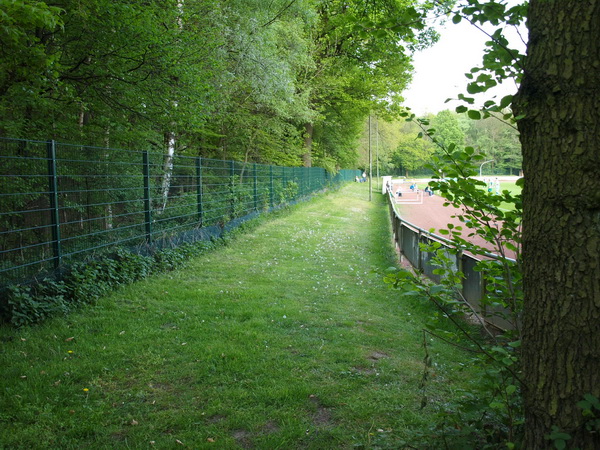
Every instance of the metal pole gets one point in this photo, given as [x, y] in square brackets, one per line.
[271, 187]
[377, 150]
[283, 183]
[419, 253]
[147, 199]
[255, 188]
[232, 187]
[370, 162]
[54, 208]
[199, 189]
[481, 166]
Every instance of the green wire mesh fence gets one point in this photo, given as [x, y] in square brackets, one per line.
[62, 203]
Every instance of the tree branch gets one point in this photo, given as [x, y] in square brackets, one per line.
[278, 15]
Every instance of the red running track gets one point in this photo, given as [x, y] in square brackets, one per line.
[433, 214]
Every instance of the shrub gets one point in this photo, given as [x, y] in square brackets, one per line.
[86, 282]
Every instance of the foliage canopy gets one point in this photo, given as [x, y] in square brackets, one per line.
[233, 79]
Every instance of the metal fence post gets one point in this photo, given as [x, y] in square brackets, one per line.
[271, 186]
[54, 207]
[147, 198]
[283, 182]
[419, 253]
[232, 187]
[255, 189]
[400, 235]
[199, 189]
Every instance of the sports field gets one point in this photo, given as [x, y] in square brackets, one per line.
[508, 183]
[428, 211]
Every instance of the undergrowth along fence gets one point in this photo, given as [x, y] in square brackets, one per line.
[409, 237]
[63, 203]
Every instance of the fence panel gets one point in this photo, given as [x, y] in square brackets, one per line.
[103, 199]
[26, 227]
[409, 243]
[62, 203]
[473, 289]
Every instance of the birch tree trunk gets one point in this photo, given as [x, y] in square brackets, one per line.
[108, 210]
[560, 98]
[167, 169]
[170, 137]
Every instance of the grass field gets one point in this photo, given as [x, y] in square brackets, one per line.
[283, 339]
[512, 187]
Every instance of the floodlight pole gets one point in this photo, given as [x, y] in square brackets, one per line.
[370, 161]
[377, 150]
[481, 166]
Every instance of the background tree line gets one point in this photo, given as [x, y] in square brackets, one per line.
[280, 82]
[401, 151]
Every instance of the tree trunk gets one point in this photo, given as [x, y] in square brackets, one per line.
[560, 98]
[167, 169]
[308, 139]
[108, 211]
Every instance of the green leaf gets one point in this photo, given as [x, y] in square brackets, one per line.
[593, 400]
[457, 18]
[474, 114]
[469, 100]
[506, 101]
[496, 405]
[474, 88]
[436, 289]
[560, 444]
[585, 405]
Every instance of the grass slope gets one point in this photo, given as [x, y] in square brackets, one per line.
[283, 339]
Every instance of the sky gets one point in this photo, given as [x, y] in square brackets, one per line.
[439, 70]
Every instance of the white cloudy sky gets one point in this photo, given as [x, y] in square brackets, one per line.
[439, 70]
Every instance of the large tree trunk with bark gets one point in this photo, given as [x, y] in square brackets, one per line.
[560, 136]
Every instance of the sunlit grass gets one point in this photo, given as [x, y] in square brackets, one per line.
[284, 339]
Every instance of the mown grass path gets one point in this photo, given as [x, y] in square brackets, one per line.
[283, 339]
